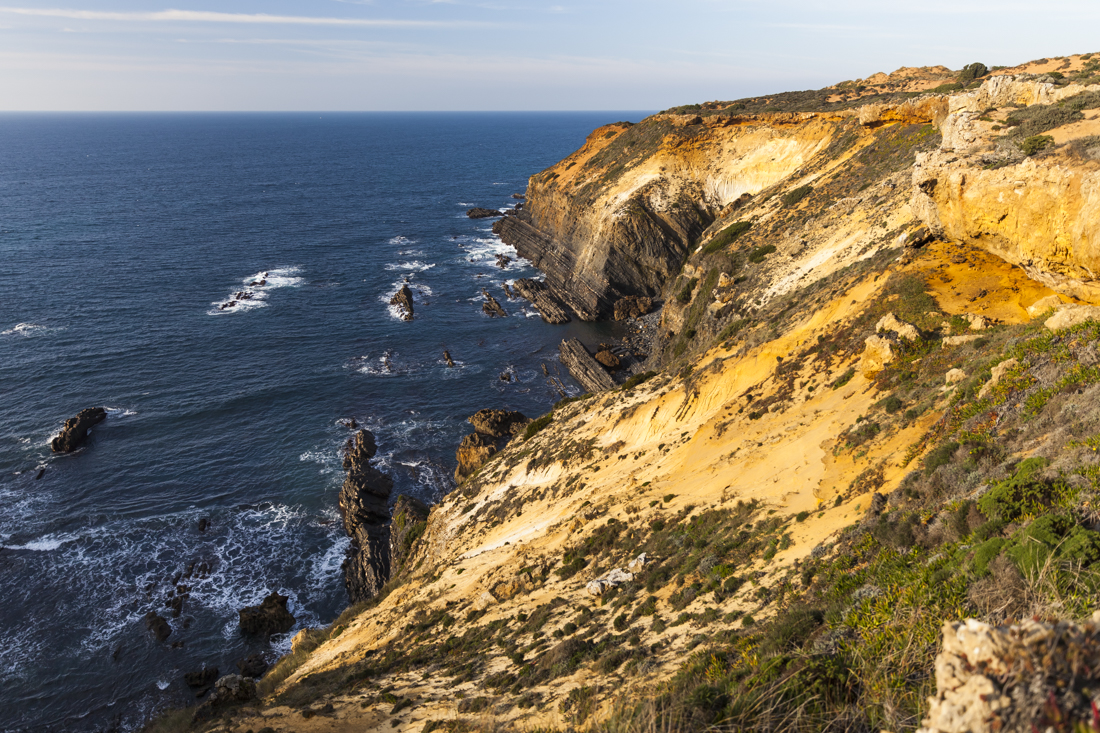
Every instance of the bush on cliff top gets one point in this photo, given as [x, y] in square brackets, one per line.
[727, 236]
[536, 425]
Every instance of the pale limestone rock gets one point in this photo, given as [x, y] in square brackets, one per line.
[483, 601]
[877, 353]
[610, 580]
[1072, 315]
[957, 340]
[998, 372]
[955, 376]
[977, 323]
[724, 280]
[298, 639]
[905, 330]
[637, 563]
[1042, 305]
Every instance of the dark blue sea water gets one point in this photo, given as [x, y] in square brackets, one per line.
[119, 237]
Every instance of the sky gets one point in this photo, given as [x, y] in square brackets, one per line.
[331, 55]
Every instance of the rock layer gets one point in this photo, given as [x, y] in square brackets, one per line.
[364, 505]
[584, 368]
[479, 213]
[75, 431]
[539, 294]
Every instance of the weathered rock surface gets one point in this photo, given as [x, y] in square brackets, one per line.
[1068, 316]
[539, 294]
[631, 306]
[75, 431]
[608, 359]
[586, 370]
[479, 213]
[492, 307]
[498, 423]
[997, 373]
[254, 666]
[270, 617]
[410, 516]
[877, 353]
[474, 450]
[201, 681]
[230, 689]
[364, 505]
[403, 299]
[1023, 677]
[904, 330]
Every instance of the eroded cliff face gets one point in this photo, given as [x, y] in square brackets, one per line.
[619, 216]
[1041, 212]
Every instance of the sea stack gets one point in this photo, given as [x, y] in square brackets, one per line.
[75, 431]
[364, 505]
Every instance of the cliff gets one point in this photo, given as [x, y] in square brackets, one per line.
[873, 423]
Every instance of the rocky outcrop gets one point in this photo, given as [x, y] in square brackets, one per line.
[364, 505]
[480, 213]
[608, 359]
[410, 517]
[587, 371]
[75, 430]
[403, 300]
[539, 294]
[498, 423]
[158, 626]
[472, 452]
[254, 666]
[270, 617]
[491, 307]
[1024, 677]
[201, 681]
[632, 307]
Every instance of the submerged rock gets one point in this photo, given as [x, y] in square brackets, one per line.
[270, 617]
[158, 625]
[75, 431]
[479, 213]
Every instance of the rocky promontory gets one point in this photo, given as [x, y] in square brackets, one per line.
[403, 300]
[492, 430]
[479, 213]
[75, 430]
[539, 294]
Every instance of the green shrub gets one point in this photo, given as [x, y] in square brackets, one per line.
[537, 424]
[801, 516]
[637, 379]
[1035, 143]
[973, 71]
[843, 379]
[684, 296]
[1024, 494]
[1054, 535]
[940, 456]
[732, 329]
[985, 553]
[892, 404]
[946, 88]
[727, 236]
[795, 195]
[759, 253]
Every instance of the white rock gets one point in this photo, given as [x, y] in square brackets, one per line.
[956, 340]
[1042, 305]
[998, 372]
[637, 563]
[724, 280]
[1072, 315]
[977, 323]
[905, 330]
[483, 601]
[955, 376]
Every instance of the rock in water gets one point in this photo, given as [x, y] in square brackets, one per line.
[474, 450]
[479, 213]
[270, 617]
[632, 307]
[409, 518]
[491, 306]
[76, 429]
[364, 505]
[584, 368]
[539, 294]
[200, 681]
[447, 358]
[403, 299]
[252, 666]
[497, 423]
[158, 625]
[503, 260]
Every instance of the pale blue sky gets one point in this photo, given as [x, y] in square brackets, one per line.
[496, 54]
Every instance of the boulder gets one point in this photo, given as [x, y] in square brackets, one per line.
[632, 306]
[503, 260]
[474, 450]
[447, 358]
[877, 353]
[497, 423]
[1069, 316]
[200, 681]
[75, 430]
[479, 213]
[586, 370]
[615, 577]
[959, 340]
[270, 617]
[254, 666]
[608, 359]
[904, 330]
[998, 373]
[1042, 305]
[954, 376]
[410, 516]
[403, 299]
[158, 625]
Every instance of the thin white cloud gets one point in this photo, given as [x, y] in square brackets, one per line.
[200, 16]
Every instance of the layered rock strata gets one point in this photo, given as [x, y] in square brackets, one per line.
[364, 505]
[479, 213]
[539, 294]
[584, 368]
[403, 299]
[492, 430]
[75, 430]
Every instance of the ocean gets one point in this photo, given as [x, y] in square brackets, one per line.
[120, 238]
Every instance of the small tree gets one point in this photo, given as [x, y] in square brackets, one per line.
[973, 71]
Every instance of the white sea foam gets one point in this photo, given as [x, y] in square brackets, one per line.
[29, 329]
[46, 543]
[402, 240]
[414, 266]
[116, 412]
[162, 685]
[283, 277]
